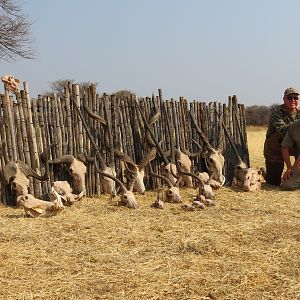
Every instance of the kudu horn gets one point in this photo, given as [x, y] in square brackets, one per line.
[199, 131]
[229, 139]
[102, 163]
[162, 154]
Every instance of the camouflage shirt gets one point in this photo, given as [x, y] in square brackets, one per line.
[292, 138]
[280, 120]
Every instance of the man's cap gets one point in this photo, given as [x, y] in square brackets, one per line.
[291, 90]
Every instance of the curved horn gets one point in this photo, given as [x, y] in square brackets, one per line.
[122, 186]
[197, 144]
[94, 115]
[178, 181]
[67, 159]
[169, 183]
[130, 170]
[107, 127]
[201, 134]
[179, 178]
[101, 160]
[148, 157]
[29, 172]
[83, 157]
[171, 133]
[172, 171]
[190, 174]
[230, 140]
[164, 158]
[194, 154]
[44, 156]
[99, 119]
[109, 132]
[127, 159]
[151, 121]
[221, 134]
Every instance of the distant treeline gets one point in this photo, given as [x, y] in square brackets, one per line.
[258, 115]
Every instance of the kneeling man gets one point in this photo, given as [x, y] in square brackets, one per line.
[291, 177]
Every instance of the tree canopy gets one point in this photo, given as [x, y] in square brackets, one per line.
[58, 86]
[123, 94]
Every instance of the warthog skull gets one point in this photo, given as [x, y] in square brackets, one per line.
[38, 208]
[247, 178]
[253, 180]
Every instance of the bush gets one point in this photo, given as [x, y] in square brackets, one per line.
[258, 115]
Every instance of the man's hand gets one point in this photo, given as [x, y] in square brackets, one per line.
[297, 163]
[287, 174]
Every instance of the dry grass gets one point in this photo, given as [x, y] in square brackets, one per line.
[246, 247]
[256, 138]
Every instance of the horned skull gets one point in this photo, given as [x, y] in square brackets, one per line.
[213, 157]
[215, 162]
[16, 174]
[76, 169]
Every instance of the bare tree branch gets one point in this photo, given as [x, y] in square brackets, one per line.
[58, 86]
[15, 34]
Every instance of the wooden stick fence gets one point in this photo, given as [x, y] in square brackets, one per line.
[29, 126]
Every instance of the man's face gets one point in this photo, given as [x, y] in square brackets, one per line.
[291, 101]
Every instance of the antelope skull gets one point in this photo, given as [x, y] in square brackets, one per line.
[76, 169]
[16, 174]
[213, 157]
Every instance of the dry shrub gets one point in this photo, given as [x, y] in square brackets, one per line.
[245, 247]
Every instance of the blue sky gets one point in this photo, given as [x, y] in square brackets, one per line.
[202, 50]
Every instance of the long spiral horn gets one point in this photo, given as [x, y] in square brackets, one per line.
[230, 140]
[162, 154]
[201, 134]
[68, 159]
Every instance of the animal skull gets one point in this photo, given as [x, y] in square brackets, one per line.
[38, 208]
[247, 178]
[16, 174]
[215, 162]
[11, 83]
